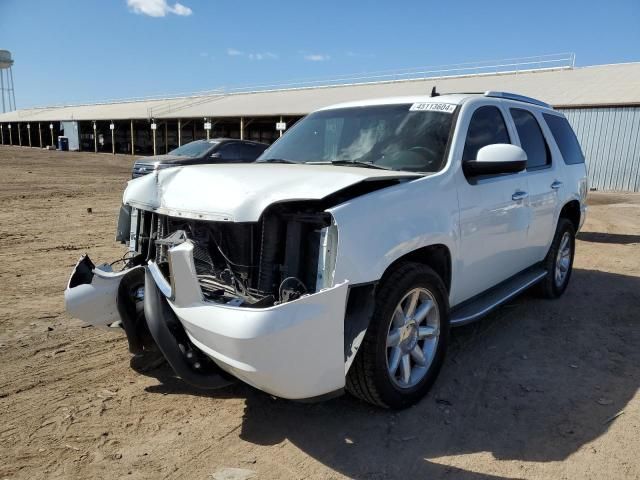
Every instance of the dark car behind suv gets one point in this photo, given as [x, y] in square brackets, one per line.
[217, 150]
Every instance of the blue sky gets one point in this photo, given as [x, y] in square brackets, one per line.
[86, 50]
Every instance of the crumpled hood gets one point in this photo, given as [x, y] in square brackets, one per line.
[241, 192]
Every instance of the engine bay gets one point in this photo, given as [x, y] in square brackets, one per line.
[285, 255]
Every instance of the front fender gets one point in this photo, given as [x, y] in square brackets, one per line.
[376, 230]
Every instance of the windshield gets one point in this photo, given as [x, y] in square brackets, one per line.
[193, 149]
[398, 137]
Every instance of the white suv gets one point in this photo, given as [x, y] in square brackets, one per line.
[344, 255]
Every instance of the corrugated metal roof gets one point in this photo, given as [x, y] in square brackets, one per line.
[617, 84]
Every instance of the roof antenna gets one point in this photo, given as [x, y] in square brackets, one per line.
[434, 93]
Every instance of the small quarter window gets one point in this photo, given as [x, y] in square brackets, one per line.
[531, 139]
[565, 138]
[486, 127]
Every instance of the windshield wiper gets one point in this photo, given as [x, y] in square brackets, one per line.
[355, 163]
[275, 160]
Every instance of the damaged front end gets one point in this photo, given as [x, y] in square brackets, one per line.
[221, 299]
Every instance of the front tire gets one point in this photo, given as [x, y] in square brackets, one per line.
[559, 260]
[405, 344]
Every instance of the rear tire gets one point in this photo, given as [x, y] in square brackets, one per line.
[559, 261]
[409, 330]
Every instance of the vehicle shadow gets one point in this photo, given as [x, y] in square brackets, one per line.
[534, 381]
[602, 237]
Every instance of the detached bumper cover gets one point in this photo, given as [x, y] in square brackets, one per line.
[92, 293]
[293, 350]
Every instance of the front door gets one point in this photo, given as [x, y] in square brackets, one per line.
[494, 213]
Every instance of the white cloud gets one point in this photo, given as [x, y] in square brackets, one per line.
[317, 57]
[232, 52]
[158, 8]
[263, 56]
[181, 10]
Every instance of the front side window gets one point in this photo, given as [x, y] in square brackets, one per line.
[565, 138]
[386, 136]
[230, 152]
[531, 139]
[486, 127]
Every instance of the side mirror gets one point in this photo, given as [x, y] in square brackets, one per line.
[495, 159]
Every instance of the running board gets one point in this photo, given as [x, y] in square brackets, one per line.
[479, 306]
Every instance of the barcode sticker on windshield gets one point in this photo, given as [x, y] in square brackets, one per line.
[433, 107]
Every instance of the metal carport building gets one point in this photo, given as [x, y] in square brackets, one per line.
[602, 103]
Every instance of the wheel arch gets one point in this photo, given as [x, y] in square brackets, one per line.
[436, 256]
[571, 211]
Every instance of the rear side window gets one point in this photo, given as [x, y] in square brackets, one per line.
[565, 138]
[531, 139]
[250, 152]
[486, 127]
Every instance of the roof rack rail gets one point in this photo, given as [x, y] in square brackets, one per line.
[515, 96]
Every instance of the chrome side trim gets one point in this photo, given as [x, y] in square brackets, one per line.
[531, 280]
[161, 282]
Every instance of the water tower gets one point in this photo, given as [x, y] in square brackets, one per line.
[6, 82]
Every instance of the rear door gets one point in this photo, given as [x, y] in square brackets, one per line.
[543, 178]
[494, 215]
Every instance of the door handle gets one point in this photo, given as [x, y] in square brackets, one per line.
[556, 184]
[519, 195]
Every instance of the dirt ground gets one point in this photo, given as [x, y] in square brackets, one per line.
[539, 389]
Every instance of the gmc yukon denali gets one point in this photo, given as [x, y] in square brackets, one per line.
[342, 257]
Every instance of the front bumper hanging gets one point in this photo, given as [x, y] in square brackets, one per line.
[292, 350]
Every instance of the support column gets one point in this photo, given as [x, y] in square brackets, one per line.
[51, 130]
[280, 122]
[153, 129]
[112, 127]
[241, 128]
[133, 141]
[29, 132]
[10, 136]
[19, 136]
[95, 137]
[40, 134]
[205, 128]
[1, 135]
[179, 133]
